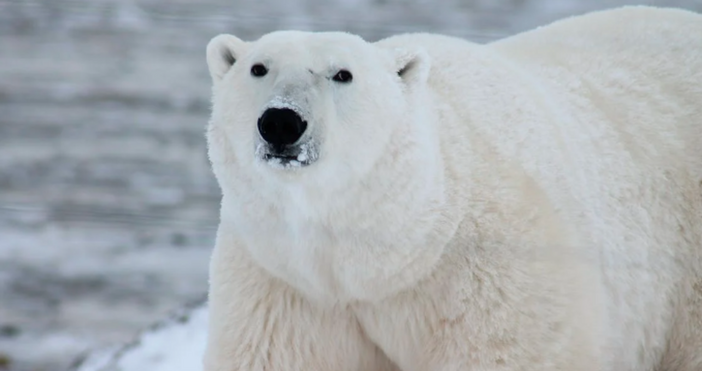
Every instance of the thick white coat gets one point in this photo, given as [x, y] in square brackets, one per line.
[530, 204]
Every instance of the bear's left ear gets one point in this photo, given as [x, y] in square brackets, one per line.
[222, 52]
[412, 65]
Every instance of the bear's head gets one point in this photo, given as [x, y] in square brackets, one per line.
[294, 100]
[315, 137]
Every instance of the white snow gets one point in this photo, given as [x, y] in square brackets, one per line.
[308, 152]
[280, 101]
[174, 345]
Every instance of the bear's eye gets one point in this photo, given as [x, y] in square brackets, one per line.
[259, 70]
[343, 76]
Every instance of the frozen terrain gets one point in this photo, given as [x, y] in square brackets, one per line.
[176, 343]
[107, 204]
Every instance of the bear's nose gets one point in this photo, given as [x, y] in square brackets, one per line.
[281, 126]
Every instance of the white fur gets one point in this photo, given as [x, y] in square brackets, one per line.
[529, 204]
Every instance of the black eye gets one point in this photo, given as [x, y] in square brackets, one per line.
[259, 70]
[343, 76]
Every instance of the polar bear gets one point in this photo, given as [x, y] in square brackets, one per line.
[424, 203]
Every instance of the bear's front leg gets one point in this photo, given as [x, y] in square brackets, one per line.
[259, 323]
[500, 312]
[534, 316]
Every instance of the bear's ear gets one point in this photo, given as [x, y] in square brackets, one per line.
[222, 52]
[412, 65]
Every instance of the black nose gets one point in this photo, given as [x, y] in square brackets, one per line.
[281, 126]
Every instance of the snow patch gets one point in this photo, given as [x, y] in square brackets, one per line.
[177, 344]
[280, 101]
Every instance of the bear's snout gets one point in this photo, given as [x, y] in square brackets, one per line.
[281, 127]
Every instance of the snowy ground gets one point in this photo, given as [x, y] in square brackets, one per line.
[107, 203]
[176, 343]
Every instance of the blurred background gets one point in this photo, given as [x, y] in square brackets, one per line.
[108, 207]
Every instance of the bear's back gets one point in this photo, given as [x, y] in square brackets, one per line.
[650, 57]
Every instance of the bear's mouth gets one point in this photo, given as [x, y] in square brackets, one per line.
[284, 160]
[296, 156]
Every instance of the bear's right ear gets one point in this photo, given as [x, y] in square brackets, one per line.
[222, 52]
[412, 65]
